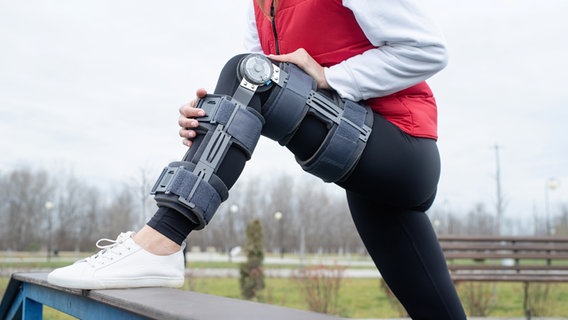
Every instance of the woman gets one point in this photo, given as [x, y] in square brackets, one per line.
[375, 52]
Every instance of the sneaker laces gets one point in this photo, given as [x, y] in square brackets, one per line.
[110, 251]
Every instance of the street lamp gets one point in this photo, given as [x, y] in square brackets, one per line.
[278, 216]
[551, 184]
[233, 209]
[48, 206]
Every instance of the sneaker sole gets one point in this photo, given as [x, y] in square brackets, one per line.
[117, 283]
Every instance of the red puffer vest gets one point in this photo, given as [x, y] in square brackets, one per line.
[330, 33]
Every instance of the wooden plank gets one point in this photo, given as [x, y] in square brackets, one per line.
[476, 246]
[504, 255]
[504, 267]
[443, 238]
[507, 278]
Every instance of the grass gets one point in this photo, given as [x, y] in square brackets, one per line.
[358, 298]
[363, 298]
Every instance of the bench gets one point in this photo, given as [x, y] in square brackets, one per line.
[28, 292]
[507, 259]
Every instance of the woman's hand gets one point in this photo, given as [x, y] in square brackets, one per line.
[188, 112]
[302, 59]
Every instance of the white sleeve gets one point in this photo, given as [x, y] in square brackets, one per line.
[408, 50]
[251, 40]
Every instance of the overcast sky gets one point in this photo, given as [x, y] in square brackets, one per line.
[95, 86]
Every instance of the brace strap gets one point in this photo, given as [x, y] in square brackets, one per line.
[232, 120]
[345, 141]
[180, 180]
[285, 111]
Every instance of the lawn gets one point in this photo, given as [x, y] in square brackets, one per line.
[363, 297]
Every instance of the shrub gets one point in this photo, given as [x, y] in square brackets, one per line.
[320, 286]
[252, 274]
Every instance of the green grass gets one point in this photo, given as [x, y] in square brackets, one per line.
[358, 298]
[363, 298]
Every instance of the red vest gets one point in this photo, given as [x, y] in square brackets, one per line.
[330, 33]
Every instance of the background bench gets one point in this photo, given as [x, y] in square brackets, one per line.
[509, 259]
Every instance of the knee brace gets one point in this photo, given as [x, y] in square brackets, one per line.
[349, 123]
[192, 187]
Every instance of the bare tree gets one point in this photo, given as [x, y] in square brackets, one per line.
[121, 212]
[309, 209]
[141, 186]
[25, 194]
[561, 221]
[479, 221]
[70, 210]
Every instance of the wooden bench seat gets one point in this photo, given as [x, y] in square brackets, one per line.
[520, 259]
[507, 259]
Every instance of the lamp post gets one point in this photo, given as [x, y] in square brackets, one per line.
[278, 216]
[551, 184]
[48, 206]
[233, 209]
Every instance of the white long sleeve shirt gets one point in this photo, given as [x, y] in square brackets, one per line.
[408, 49]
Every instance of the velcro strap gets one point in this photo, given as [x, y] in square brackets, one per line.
[343, 145]
[243, 124]
[284, 112]
[196, 194]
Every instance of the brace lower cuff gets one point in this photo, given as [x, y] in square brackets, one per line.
[185, 191]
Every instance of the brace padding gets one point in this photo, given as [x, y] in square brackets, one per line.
[284, 111]
[181, 189]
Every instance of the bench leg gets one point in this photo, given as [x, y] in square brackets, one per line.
[526, 306]
[32, 310]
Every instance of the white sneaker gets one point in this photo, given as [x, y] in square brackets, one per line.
[121, 264]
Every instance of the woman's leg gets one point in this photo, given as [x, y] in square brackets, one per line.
[174, 225]
[153, 256]
[170, 223]
[405, 249]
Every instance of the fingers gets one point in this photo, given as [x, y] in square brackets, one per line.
[300, 57]
[188, 112]
[306, 62]
[187, 136]
[200, 93]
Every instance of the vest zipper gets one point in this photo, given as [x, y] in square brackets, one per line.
[274, 27]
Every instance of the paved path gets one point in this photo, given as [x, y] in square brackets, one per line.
[273, 273]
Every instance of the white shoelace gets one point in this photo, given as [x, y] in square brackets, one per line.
[110, 251]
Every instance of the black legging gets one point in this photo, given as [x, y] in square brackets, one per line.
[388, 193]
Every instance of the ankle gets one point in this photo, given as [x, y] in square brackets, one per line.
[154, 242]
